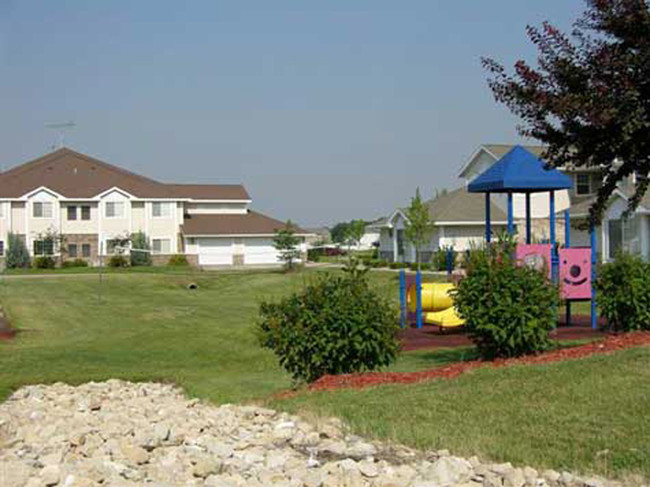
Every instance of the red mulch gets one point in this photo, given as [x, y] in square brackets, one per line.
[431, 337]
[609, 344]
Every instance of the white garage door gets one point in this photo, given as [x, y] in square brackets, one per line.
[259, 251]
[215, 251]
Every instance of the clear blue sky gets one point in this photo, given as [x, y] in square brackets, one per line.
[325, 110]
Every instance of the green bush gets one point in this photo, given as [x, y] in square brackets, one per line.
[336, 325]
[17, 256]
[44, 262]
[74, 263]
[314, 255]
[509, 309]
[118, 260]
[178, 260]
[398, 265]
[623, 292]
[439, 259]
[140, 241]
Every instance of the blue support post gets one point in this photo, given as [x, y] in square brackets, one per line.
[594, 309]
[528, 229]
[418, 299]
[402, 298]
[567, 229]
[488, 223]
[554, 257]
[511, 222]
[449, 261]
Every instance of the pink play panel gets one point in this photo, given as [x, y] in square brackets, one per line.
[537, 256]
[575, 272]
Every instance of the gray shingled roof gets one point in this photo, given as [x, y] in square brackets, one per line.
[460, 205]
[500, 150]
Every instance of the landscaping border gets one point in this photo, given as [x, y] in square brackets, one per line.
[610, 344]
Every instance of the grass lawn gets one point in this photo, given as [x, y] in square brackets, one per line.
[586, 415]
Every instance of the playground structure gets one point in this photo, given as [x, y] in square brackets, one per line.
[572, 268]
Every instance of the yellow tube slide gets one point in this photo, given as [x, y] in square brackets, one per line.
[437, 304]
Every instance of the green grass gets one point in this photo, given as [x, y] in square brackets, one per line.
[148, 326]
[590, 415]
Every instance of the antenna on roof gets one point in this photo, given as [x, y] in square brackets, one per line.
[61, 128]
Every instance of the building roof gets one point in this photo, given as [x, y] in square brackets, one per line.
[519, 170]
[250, 223]
[500, 150]
[460, 205]
[75, 175]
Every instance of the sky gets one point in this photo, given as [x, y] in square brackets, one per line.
[325, 110]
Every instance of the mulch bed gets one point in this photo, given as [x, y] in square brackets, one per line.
[610, 343]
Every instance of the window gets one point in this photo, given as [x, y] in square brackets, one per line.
[2, 247]
[582, 184]
[72, 212]
[85, 212]
[85, 250]
[72, 250]
[161, 246]
[43, 247]
[42, 209]
[110, 247]
[114, 209]
[2, 210]
[162, 210]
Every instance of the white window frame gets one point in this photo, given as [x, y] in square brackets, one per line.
[162, 205]
[76, 213]
[43, 254]
[589, 191]
[116, 203]
[161, 251]
[81, 213]
[44, 204]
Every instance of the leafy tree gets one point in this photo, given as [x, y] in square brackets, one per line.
[339, 233]
[588, 99]
[17, 253]
[286, 243]
[53, 242]
[140, 241]
[418, 227]
[354, 234]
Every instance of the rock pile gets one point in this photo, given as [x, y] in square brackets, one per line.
[119, 434]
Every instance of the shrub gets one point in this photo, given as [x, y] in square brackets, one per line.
[314, 255]
[178, 260]
[44, 262]
[17, 255]
[398, 265]
[336, 325]
[139, 240]
[508, 309]
[439, 260]
[118, 260]
[74, 263]
[623, 288]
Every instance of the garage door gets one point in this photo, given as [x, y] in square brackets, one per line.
[260, 251]
[215, 251]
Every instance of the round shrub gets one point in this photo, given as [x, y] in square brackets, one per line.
[74, 263]
[118, 261]
[336, 325]
[44, 262]
[509, 309]
[623, 293]
[178, 260]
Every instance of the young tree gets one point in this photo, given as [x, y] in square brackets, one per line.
[588, 99]
[53, 242]
[286, 243]
[339, 233]
[140, 242]
[418, 227]
[17, 253]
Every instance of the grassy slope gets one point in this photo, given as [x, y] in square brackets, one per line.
[586, 415]
[149, 327]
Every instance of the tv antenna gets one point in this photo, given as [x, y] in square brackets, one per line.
[61, 129]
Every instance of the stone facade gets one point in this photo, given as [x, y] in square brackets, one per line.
[79, 240]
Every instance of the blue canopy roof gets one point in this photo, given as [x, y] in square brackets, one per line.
[519, 171]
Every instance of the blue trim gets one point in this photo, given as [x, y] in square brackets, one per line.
[511, 223]
[418, 300]
[402, 298]
[554, 257]
[528, 217]
[449, 260]
[594, 308]
[488, 222]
